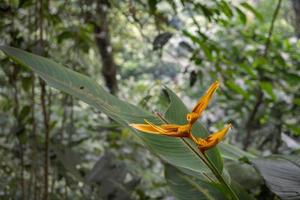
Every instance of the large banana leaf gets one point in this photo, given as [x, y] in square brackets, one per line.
[172, 150]
[281, 174]
[185, 187]
[233, 153]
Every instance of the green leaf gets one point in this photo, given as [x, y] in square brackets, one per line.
[188, 188]
[24, 112]
[292, 78]
[226, 9]
[245, 175]
[248, 69]
[268, 89]
[14, 3]
[292, 158]
[152, 6]
[294, 128]
[207, 51]
[171, 150]
[207, 12]
[255, 12]
[185, 187]
[242, 15]
[231, 152]
[296, 101]
[232, 85]
[259, 62]
[240, 191]
[282, 175]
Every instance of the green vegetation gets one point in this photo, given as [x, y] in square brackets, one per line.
[131, 61]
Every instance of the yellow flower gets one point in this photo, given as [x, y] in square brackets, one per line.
[202, 103]
[174, 130]
[212, 140]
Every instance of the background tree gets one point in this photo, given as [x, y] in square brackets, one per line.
[185, 45]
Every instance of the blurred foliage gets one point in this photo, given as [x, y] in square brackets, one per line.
[183, 44]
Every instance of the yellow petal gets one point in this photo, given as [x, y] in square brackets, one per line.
[212, 140]
[157, 128]
[199, 141]
[219, 135]
[202, 103]
[173, 127]
[144, 128]
[207, 145]
[204, 100]
[172, 130]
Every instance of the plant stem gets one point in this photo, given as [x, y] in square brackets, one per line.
[188, 144]
[220, 177]
[260, 95]
[268, 42]
[208, 163]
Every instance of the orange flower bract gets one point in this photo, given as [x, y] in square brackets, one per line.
[202, 103]
[174, 130]
[212, 140]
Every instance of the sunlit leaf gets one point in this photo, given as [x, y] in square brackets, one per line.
[268, 88]
[253, 10]
[202, 44]
[172, 150]
[232, 85]
[226, 9]
[242, 15]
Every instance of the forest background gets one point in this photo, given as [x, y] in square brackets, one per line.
[49, 139]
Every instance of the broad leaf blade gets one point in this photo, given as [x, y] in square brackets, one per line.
[187, 188]
[231, 152]
[281, 176]
[172, 150]
[253, 10]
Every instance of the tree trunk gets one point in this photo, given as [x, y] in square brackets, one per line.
[101, 29]
[296, 6]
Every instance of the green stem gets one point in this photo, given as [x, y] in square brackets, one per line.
[219, 176]
[214, 170]
[209, 164]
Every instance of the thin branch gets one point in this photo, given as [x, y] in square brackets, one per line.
[260, 95]
[35, 142]
[220, 177]
[162, 118]
[44, 106]
[46, 125]
[251, 118]
[268, 42]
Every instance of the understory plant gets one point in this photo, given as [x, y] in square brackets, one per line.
[194, 163]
